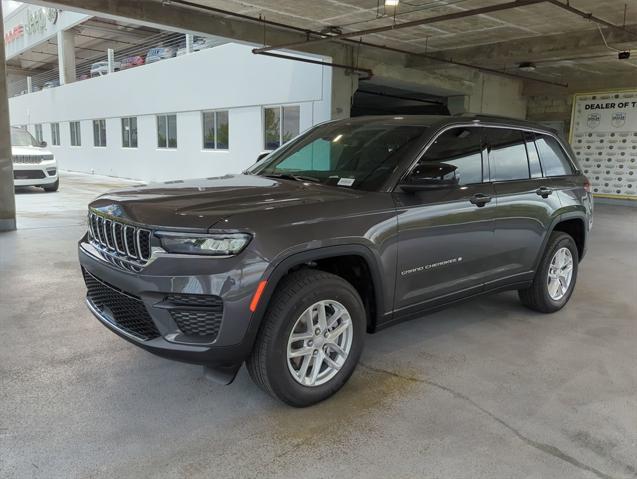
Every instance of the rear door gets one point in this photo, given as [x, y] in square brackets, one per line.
[445, 234]
[525, 201]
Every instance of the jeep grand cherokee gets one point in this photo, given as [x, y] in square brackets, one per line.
[351, 227]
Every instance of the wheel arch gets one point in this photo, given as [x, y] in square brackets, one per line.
[325, 259]
[572, 223]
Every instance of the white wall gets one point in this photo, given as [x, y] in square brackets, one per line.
[226, 77]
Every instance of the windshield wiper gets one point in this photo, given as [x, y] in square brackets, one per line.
[288, 176]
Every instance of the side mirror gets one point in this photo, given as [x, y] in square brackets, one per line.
[262, 155]
[43, 144]
[430, 176]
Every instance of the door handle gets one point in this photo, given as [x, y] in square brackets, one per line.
[544, 191]
[480, 199]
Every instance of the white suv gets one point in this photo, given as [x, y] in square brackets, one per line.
[33, 164]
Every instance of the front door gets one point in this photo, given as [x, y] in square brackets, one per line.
[445, 234]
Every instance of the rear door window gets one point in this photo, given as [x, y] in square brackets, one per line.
[507, 154]
[554, 160]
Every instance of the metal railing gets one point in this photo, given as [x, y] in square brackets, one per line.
[155, 48]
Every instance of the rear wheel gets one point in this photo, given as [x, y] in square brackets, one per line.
[311, 338]
[555, 278]
[52, 187]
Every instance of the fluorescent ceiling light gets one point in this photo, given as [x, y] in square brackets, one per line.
[391, 3]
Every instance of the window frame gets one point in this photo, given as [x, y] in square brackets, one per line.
[215, 130]
[78, 133]
[167, 147]
[281, 120]
[127, 134]
[99, 134]
[526, 154]
[435, 134]
[55, 134]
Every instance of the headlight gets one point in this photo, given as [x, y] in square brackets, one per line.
[207, 244]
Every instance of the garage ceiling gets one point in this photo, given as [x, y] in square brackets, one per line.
[562, 44]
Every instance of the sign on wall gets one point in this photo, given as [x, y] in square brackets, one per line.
[29, 25]
[604, 138]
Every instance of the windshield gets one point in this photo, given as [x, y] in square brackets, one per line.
[358, 155]
[20, 137]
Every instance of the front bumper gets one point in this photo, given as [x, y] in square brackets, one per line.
[35, 174]
[169, 287]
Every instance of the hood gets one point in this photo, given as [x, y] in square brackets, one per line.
[28, 151]
[199, 204]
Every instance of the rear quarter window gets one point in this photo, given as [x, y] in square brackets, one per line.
[554, 160]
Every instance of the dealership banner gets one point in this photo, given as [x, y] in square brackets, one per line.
[604, 138]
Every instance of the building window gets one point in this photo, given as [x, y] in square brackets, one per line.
[76, 134]
[38, 133]
[281, 124]
[129, 132]
[99, 132]
[215, 130]
[166, 131]
[55, 134]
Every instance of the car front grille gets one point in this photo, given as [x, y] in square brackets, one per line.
[28, 174]
[127, 246]
[126, 311]
[197, 314]
[31, 159]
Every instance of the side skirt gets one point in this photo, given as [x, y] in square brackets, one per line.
[438, 304]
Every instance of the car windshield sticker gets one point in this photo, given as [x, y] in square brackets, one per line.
[346, 181]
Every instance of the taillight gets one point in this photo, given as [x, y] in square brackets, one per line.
[587, 185]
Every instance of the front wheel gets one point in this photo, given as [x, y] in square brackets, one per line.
[311, 339]
[555, 278]
[52, 187]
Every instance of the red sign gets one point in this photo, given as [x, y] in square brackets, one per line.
[13, 34]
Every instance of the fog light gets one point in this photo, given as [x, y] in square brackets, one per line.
[51, 171]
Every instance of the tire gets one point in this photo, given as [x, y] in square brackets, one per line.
[538, 296]
[52, 187]
[268, 363]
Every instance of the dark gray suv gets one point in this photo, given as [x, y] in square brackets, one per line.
[349, 228]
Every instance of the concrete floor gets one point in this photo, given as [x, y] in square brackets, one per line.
[485, 389]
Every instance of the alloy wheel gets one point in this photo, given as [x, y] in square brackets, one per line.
[319, 343]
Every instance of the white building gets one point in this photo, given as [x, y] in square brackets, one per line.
[204, 113]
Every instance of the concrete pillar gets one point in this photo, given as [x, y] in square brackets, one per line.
[344, 85]
[188, 43]
[110, 56]
[66, 57]
[7, 195]
[29, 84]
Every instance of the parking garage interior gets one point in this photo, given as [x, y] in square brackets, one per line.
[485, 388]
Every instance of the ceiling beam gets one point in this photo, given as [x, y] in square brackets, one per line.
[399, 26]
[533, 49]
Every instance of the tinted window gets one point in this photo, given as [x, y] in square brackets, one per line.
[460, 149]
[553, 158]
[534, 158]
[507, 154]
